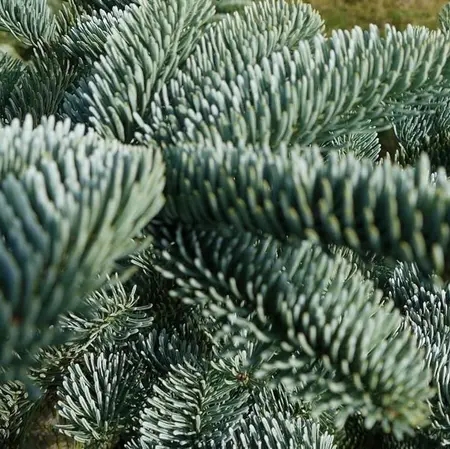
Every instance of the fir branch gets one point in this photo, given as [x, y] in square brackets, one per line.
[110, 317]
[267, 432]
[425, 132]
[159, 351]
[308, 307]
[87, 38]
[57, 70]
[191, 408]
[82, 45]
[263, 327]
[15, 408]
[382, 209]
[51, 364]
[444, 18]
[11, 71]
[18, 17]
[62, 195]
[263, 27]
[140, 55]
[94, 398]
[351, 81]
[366, 145]
[427, 313]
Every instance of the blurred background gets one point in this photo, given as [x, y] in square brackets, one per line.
[348, 13]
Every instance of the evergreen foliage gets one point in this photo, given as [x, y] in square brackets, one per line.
[202, 243]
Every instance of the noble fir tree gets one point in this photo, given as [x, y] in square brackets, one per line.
[203, 244]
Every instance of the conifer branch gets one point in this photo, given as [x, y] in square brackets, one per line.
[382, 209]
[62, 226]
[308, 308]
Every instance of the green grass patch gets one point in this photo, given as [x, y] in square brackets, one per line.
[348, 13]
